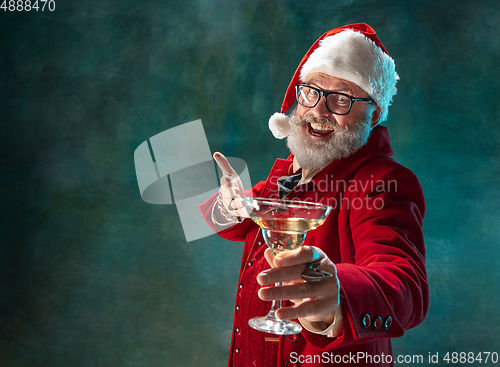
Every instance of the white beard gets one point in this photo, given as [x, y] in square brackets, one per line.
[318, 154]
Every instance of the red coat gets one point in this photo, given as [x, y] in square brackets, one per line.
[373, 235]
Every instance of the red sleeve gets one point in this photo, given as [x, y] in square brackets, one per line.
[388, 277]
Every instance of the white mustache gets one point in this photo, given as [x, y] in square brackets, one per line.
[329, 123]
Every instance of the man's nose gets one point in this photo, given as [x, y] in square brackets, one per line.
[321, 110]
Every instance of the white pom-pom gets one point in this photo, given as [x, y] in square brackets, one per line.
[279, 124]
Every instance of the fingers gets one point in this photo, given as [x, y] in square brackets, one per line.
[227, 190]
[232, 196]
[224, 165]
[314, 300]
[268, 255]
[302, 255]
[275, 275]
[289, 265]
[230, 178]
[231, 187]
[306, 309]
[302, 290]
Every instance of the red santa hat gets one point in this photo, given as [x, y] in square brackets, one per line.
[352, 52]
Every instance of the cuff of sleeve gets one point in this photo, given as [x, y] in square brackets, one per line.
[332, 331]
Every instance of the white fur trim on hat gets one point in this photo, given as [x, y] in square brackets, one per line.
[279, 124]
[351, 56]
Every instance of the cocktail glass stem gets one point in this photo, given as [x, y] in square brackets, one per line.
[272, 324]
[275, 305]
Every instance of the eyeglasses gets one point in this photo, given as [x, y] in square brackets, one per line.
[337, 103]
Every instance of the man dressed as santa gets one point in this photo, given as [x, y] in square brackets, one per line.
[371, 242]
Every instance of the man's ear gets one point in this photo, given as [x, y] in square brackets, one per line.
[375, 116]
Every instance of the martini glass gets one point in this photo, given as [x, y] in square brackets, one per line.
[284, 226]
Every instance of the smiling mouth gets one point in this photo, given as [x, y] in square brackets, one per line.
[319, 129]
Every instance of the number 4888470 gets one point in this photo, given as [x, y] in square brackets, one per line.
[28, 5]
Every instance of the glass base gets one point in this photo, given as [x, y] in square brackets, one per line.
[273, 325]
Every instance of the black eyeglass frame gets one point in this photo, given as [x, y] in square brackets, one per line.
[326, 94]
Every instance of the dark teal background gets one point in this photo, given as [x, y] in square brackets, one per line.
[91, 275]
